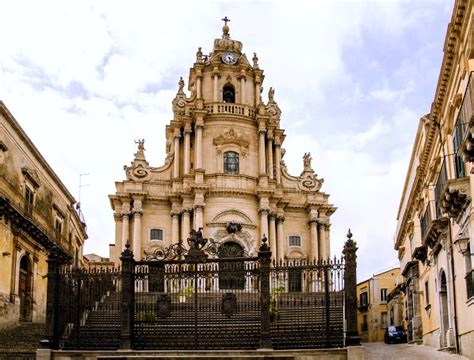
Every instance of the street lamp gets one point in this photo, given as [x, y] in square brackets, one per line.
[462, 245]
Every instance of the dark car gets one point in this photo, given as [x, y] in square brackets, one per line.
[394, 334]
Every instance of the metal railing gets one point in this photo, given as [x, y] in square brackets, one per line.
[425, 221]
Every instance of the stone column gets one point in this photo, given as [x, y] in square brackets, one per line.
[314, 240]
[185, 224]
[198, 87]
[280, 237]
[263, 223]
[257, 93]
[118, 235]
[272, 234]
[187, 148]
[242, 88]
[125, 227]
[322, 241]
[177, 135]
[174, 227]
[261, 157]
[216, 84]
[270, 157]
[198, 210]
[198, 148]
[277, 160]
[137, 230]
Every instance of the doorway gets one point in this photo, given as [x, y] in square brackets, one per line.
[25, 289]
[443, 300]
[231, 273]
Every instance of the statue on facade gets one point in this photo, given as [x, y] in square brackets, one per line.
[307, 161]
[181, 85]
[271, 94]
[255, 61]
[199, 55]
[140, 154]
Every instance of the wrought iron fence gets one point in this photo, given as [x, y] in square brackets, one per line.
[207, 297]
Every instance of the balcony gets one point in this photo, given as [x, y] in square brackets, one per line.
[433, 226]
[454, 193]
[466, 122]
[223, 108]
[420, 253]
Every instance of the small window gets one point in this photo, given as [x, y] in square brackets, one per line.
[363, 299]
[365, 325]
[156, 234]
[228, 94]
[29, 198]
[383, 295]
[231, 162]
[294, 240]
[383, 319]
[58, 228]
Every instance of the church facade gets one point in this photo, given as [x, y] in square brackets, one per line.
[224, 171]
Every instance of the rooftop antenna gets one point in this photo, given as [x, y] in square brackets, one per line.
[81, 185]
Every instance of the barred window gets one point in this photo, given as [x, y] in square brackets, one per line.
[156, 234]
[231, 162]
[383, 295]
[295, 240]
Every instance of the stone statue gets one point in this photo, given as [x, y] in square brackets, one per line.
[141, 144]
[181, 85]
[307, 161]
[199, 55]
[255, 61]
[271, 93]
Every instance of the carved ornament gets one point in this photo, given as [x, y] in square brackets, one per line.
[231, 137]
[31, 175]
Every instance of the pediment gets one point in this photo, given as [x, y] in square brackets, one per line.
[232, 215]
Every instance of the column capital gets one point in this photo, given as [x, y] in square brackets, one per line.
[174, 213]
[186, 211]
[137, 212]
[272, 216]
[125, 214]
[262, 130]
[199, 207]
[280, 219]
[263, 211]
[117, 216]
[313, 221]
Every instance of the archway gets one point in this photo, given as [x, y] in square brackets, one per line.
[231, 272]
[443, 300]
[25, 288]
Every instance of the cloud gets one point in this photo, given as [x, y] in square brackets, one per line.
[85, 79]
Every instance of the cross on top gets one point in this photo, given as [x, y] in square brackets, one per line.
[225, 20]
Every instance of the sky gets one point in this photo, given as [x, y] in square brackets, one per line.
[86, 78]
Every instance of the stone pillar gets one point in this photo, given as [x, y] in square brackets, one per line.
[314, 240]
[187, 148]
[264, 259]
[277, 160]
[216, 84]
[257, 93]
[242, 88]
[270, 157]
[127, 298]
[118, 235]
[174, 227]
[185, 224]
[322, 241]
[263, 223]
[125, 227]
[280, 238]
[177, 135]
[350, 290]
[198, 148]
[52, 331]
[198, 210]
[272, 234]
[198, 87]
[137, 231]
[261, 158]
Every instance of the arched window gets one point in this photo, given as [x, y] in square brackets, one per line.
[231, 162]
[228, 94]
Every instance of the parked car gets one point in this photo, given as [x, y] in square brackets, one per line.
[394, 334]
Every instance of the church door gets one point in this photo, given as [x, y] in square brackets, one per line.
[231, 272]
[294, 280]
[25, 289]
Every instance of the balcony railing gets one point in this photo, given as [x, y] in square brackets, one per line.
[433, 224]
[465, 122]
[231, 109]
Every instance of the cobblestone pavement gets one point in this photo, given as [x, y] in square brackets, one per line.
[380, 350]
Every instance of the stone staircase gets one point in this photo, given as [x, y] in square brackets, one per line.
[21, 341]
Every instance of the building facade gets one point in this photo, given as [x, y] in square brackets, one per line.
[223, 171]
[373, 312]
[37, 215]
[434, 236]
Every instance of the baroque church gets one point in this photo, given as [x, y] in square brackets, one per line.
[224, 171]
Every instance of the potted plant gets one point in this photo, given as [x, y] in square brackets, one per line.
[186, 293]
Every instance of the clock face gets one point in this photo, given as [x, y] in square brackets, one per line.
[229, 58]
